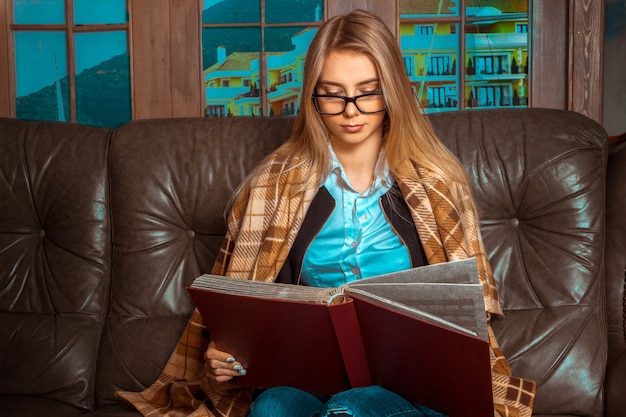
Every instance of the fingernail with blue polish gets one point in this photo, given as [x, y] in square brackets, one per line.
[230, 360]
[238, 368]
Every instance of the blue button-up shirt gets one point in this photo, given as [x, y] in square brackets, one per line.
[357, 241]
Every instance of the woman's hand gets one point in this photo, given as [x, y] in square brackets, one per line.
[221, 366]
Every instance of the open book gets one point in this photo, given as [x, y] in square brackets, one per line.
[421, 333]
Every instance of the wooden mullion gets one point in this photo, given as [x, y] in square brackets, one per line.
[71, 57]
[7, 58]
[438, 18]
[38, 28]
[131, 64]
[99, 28]
[460, 61]
[292, 24]
[263, 65]
[231, 25]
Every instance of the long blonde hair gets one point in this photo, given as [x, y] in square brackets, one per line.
[408, 134]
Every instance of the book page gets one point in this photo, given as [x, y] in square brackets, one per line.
[267, 290]
[449, 294]
[455, 306]
[455, 272]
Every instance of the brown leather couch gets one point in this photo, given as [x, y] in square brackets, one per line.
[101, 230]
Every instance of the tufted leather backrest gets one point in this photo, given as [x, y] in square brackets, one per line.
[539, 180]
[79, 240]
[171, 180]
[54, 274]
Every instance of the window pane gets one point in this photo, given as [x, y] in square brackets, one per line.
[102, 79]
[39, 12]
[231, 71]
[497, 54]
[99, 12]
[421, 8]
[41, 75]
[283, 11]
[286, 48]
[231, 11]
[430, 54]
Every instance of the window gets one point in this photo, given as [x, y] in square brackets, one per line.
[257, 49]
[491, 96]
[486, 39]
[441, 65]
[408, 65]
[71, 61]
[215, 111]
[490, 64]
[426, 30]
[167, 70]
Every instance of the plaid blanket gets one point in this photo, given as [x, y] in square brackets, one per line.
[262, 226]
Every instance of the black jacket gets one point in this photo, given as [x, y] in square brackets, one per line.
[394, 208]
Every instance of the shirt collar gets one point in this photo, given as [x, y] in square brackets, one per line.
[382, 175]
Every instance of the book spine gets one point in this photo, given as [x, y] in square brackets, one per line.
[348, 332]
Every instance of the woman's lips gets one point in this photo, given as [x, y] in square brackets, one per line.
[352, 128]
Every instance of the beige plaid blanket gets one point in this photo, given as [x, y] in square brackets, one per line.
[261, 229]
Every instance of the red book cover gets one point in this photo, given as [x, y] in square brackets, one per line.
[286, 335]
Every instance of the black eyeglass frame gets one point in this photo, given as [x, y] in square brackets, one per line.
[346, 100]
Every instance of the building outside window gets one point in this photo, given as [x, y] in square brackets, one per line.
[264, 41]
[477, 47]
[71, 61]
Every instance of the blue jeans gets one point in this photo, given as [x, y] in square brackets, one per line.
[371, 401]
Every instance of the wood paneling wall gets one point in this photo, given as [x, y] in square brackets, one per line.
[567, 64]
[166, 58]
[549, 68]
[586, 36]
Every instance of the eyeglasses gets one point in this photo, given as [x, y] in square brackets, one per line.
[365, 103]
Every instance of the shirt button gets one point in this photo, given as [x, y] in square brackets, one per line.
[353, 244]
[355, 271]
[365, 217]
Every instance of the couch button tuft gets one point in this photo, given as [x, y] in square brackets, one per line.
[41, 233]
[191, 234]
[514, 222]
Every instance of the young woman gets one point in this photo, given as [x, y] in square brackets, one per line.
[362, 178]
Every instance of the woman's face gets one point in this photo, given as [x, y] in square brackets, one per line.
[349, 74]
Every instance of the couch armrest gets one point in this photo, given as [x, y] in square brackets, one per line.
[614, 387]
[615, 285]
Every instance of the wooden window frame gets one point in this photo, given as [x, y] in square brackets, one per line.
[262, 26]
[69, 28]
[569, 44]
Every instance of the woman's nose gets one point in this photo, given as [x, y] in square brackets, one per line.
[351, 109]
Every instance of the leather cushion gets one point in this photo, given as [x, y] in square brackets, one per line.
[55, 257]
[538, 178]
[171, 180]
